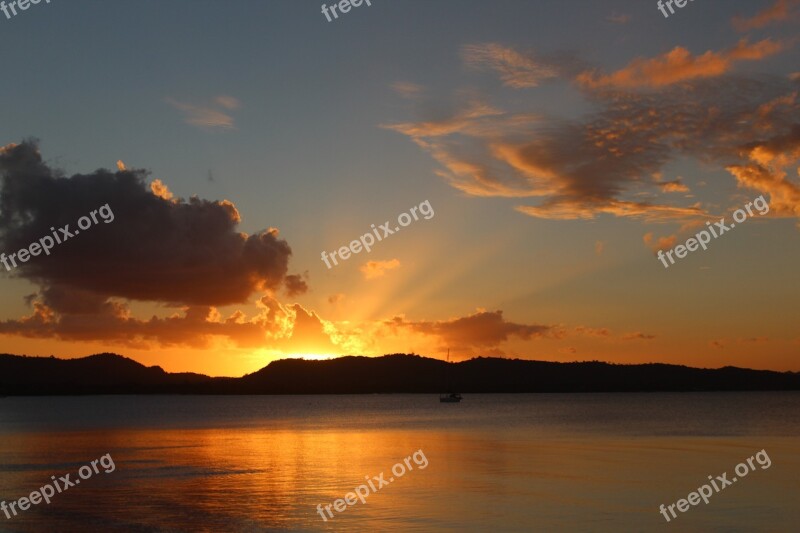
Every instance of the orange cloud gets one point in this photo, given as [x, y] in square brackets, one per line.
[768, 171]
[663, 243]
[75, 315]
[472, 120]
[575, 210]
[778, 12]
[673, 186]
[377, 269]
[610, 161]
[679, 65]
[160, 189]
[593, 332]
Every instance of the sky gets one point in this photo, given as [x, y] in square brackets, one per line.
[553, 147]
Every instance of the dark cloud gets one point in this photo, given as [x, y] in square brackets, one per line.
[157, 248]
[483, 329]
[296, 285]
[638, 336]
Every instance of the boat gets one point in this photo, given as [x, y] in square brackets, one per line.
[449, 397]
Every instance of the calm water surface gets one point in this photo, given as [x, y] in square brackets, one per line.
[553, 462]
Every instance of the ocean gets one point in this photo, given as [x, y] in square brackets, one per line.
[494, 462]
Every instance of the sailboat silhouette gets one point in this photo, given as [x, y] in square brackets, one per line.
[448, 397]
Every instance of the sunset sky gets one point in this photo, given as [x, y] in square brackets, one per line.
[559, 143]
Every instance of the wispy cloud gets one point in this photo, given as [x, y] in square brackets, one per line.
[778, 12]
[637, 336]
[592, 332]
[516, 69]
[753, 340]
[619, 18]
[662, 243]
[599, 247]
[407, 89]
[211, 117]
[679, 65]
[377, 269]
[228, 102]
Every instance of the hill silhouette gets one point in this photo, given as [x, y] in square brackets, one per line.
[397, 373]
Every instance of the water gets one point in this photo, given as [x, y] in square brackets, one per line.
[550, 462]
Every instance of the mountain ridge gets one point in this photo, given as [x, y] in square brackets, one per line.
[108, 373]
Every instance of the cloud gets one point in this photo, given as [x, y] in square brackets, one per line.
[76, 315]
[159, 189]
[599, 246]
[335, 299]
[157, 248]
[516, 70]
[768, 169]
[592, 332]
[309, 334]
[207, 117]
[407, 89]
[662, 243]
[619, 19]
[637, 336]
[673, 186]
[778, 12]
[608, 161]
[377, 269]
[718, 344]
[483, 329]
[228, 102]
[679, 65]
[605, 333]
[296, 285]
[567, 208]
[189, 257]
[473, 120]
[756, 340]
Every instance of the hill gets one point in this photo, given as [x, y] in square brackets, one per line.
[397, 373]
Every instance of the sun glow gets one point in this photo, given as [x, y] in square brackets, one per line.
[312, 356]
